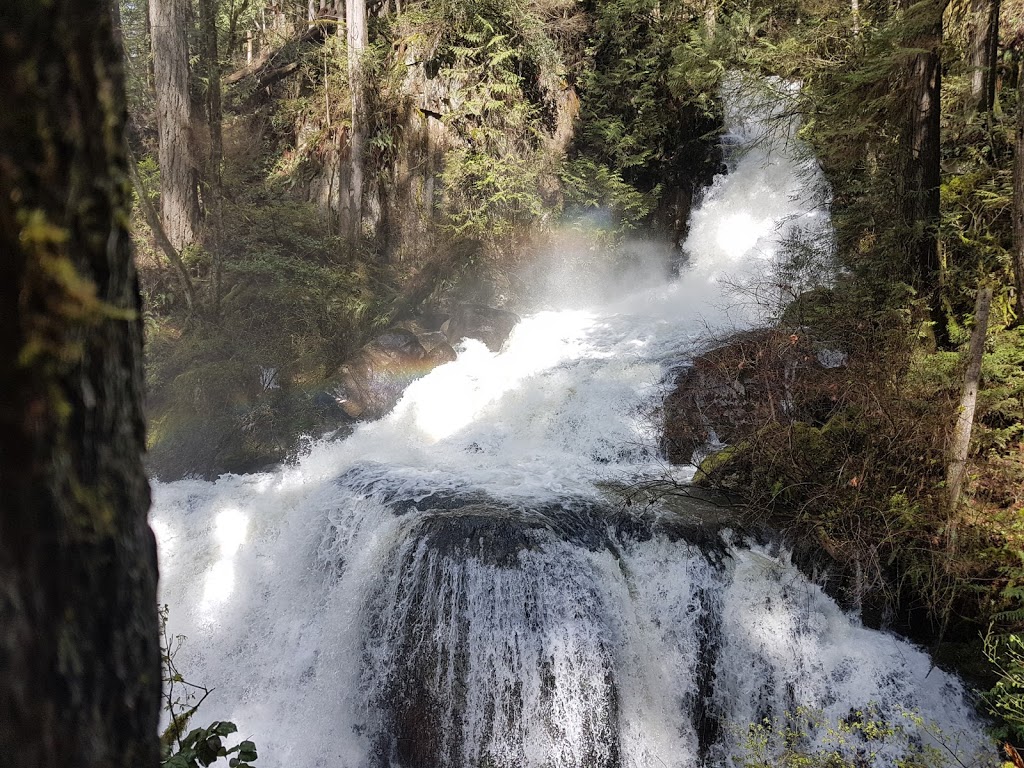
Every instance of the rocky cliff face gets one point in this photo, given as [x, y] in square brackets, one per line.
[404, 194]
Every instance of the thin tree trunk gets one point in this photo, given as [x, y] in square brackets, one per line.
[855, 17]
[214, 193]
[978, 52]
[214, 109]
[968, 400]
[984, 47]
[1018, 206]
[355, 17]
[992, 61]
[150, 74]
[179, 199]
[153, 220]
[920, 177]
[234, 16]
[79, 652]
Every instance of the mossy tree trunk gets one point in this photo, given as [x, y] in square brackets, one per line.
[79, 655]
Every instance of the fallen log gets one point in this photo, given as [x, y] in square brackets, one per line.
[276, 64]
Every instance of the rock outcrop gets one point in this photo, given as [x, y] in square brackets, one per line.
[476, 321]
[753, 379]
[372, 380]
[370, 383]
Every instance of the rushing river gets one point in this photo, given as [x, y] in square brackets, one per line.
[451, 585]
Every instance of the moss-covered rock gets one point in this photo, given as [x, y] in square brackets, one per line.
[754, 379]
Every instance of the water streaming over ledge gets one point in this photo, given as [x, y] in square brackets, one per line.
[451, 587]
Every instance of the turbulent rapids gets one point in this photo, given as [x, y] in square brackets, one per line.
[453, 585]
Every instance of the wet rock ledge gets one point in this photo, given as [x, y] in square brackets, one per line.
[368, 384]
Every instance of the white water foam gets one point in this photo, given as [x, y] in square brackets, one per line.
[348, 616]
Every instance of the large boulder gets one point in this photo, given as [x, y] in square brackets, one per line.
[372, 381]
[435, 344]
[369, 383]
[753, 379]
[476, 321]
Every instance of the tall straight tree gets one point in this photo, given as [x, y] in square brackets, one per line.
[79, 655]
[208, 10]
[213, 190]
[1018, 205]
[355, 18]
[179, 196]
[920, 177]
[984, 51]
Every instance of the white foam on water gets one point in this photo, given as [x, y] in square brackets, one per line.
[329, 625]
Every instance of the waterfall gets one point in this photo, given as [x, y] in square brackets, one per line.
[454, 585]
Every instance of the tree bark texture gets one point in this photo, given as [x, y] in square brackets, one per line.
[1018, 206]
[79, 654]
[984, 50]
[355, 18]
[968, 400]
[214, 108]
[213, 190]
[920, 177]
[179, 197]
[992, 62]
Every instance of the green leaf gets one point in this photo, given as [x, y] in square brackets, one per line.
[224, 728]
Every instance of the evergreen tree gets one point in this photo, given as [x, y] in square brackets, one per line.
[79, 656]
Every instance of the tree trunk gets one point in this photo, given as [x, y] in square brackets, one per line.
[984, 49]
[214, 109]
[150, 74]
[214, 192]
[968, 400]
[79, 654]
[992, 61]
[1018, 206]
[118, 28]
[179, 199]
[355, 17]
[153, 220]
[920, 177]
[234, 16]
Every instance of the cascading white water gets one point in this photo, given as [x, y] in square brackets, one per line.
[450, 586]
